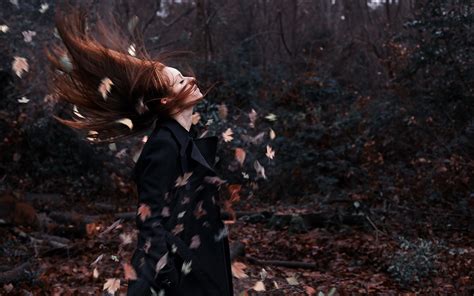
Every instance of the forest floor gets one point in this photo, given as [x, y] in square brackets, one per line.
[348, 260]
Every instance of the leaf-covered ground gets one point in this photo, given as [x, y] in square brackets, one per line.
[349, 260]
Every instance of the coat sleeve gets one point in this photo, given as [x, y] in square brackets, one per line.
[155, 180]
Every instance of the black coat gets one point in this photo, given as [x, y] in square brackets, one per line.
[181, 234]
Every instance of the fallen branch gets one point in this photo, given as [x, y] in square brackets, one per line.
[289, 264]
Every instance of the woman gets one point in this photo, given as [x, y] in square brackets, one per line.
[182, 246]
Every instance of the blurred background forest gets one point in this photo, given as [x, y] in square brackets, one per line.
[345, 131]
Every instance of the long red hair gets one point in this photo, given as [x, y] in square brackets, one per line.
[112, 91]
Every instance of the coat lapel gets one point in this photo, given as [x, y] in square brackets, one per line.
[203, 150]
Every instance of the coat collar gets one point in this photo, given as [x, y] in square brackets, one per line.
[203, 149]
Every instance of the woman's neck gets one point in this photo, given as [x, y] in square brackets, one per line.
[185, 118]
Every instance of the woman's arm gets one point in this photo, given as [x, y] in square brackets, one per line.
[155, 180]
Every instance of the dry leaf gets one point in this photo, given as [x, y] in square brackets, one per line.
[125, 121]
[23, 100]
[20, 65]
[66, 63]
[129, 271]
[271, 117]
[131, 50]
[195, 242]
[4, 28]
[162, 262]
[252, 117]
[177, 229]
[112, 285]
[270, 153]
[272, 134]
[227, 135]
[144, 211]
[309, 290]
[199, 211]
[238, 270]
[259, 286]
[254, 140]
[44, 7]
[186, 267]
[183, 180]
[292, 281]
[28, 35]
[105, 86]
[240, 155]
[223, 111]
[259, 169]
[95, 273]
[125, 238]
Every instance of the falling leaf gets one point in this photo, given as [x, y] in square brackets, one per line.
[195, 118]
[162, 262]
[66, 63]
[20, 65]
[181, 214]
[309, 290]
[95, 273]
[112, 285]
[252, 117]
[144, 211]
[97, 259]
[259, 169]
[4, 28]
[254, 140]
[245, 175]
[76, 112]
[186, 267]
[105, 86]
[199, 211]
[132, 23]
[14, 2]
[259, 286]
[223, 111]
[215, 180]
[183, 180]
[221, 234]
[292, 281]
[178, 228]
[238, 270]
[234, 191]
[165, 212]
[113, 147]
[44, 7]
[129, 271]
[227, 135]
[131, 50]
[272, 134]
[28, 35]
[271, 117]
[126, 238]
[195, 242]
[240, 155]
[23, 100]
[115, 258]
[147, 245]
[263, 274]
[174, 248]
[125, 121]
[270, 153]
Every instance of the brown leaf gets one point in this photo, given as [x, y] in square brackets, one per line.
[144, 211]
[20, 65]
[240, 155]
[112, 285]
[129, 271]
[238, 270]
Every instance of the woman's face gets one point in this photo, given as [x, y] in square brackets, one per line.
[179, 82]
